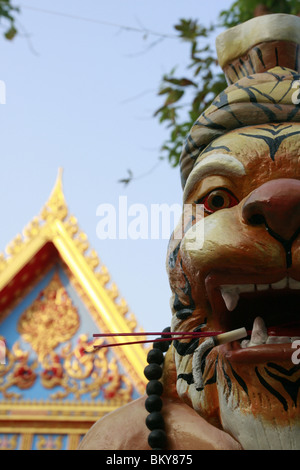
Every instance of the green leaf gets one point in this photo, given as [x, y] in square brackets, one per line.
[165, 90]
[183, 82]
[11, 33]
[173, 97]
[202, 79]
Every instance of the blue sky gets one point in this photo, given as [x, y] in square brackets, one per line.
[81, 95]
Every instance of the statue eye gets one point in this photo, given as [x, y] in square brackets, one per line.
[218, 199]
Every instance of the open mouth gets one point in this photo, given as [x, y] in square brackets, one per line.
[269, 311]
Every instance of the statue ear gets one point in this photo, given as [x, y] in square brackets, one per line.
[259, 45]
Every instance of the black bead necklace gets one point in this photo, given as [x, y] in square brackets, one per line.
[157, 438]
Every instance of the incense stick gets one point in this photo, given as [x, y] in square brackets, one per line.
[110, 345]
[168, 333]
[178, 335]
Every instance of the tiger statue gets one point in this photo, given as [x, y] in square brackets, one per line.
[238, 265]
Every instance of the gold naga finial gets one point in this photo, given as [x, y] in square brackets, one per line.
[56, 203]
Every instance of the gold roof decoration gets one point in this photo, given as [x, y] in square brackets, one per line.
[55, 231]
[80, 386]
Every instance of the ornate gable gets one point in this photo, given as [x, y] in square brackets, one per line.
[54, 295]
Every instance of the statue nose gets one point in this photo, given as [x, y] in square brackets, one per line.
[276, 204]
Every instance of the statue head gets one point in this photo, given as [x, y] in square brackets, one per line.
[238, 262]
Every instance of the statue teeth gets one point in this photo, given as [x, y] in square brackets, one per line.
[259, 334]
[278, 339]
[231, 298]
[293, 284]
[282, 284]
[231, 292]
[260, 287]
